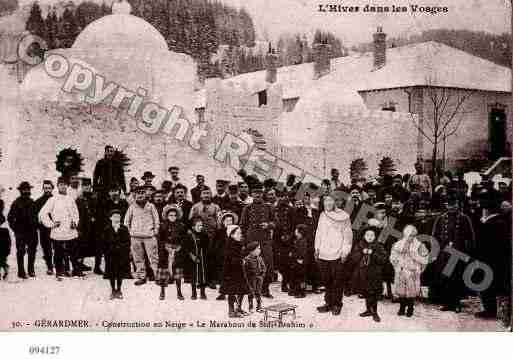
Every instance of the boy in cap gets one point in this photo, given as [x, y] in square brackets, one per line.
[22, 219]
[254, 271]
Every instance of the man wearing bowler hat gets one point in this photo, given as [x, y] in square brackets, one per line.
[22, 219]
[147, 178]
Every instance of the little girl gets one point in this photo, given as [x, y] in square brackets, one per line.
[234, 282]
[254, 271]
[409, 257]
[297, 256]
[117, 253]
[195, 248]
[368, 258]
[171, 234]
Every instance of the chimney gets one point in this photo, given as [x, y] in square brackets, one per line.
[271, 64]
[380, 48]
[322, 62]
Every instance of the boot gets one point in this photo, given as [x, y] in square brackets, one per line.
[179, 295]
[232, 313]
[162, 293]
[6, 273]
[194, 295]
[30, 265]
[240, 299]
[409, 309]
[20, 260]
[97, 264]
[375, 315]
[402, 307]
[250, 305]
[259, 304]
[221, 297]
[203, 295]
[368, 311]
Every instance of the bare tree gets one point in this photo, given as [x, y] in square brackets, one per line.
[447, 107]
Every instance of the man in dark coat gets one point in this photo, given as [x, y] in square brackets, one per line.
[304, 213]
[107, 173]
[494, 249]
[180, 199]
[452, 229]
[87, 205]
[44, 233]
[234, 204]
[221, 196]
[257, 223]
[22, 219]
[196, 191]
[283, 240]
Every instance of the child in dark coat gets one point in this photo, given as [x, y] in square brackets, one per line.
[368, 258]
[297, 258]
[254, 270]
[234, 281]
[226, 218]
[5, 244]
[195, 249]
[171, 234]
[117, 254]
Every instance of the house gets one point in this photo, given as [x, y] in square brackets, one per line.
[415, 79]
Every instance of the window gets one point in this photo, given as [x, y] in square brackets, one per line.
[289, 104]
[200, 113]
[389, 106]
[262, 98]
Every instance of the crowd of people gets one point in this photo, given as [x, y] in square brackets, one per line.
[243, 236]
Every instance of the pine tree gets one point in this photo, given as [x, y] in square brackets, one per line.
[69, 29]
[357, 169]
[386, 167]
[52, 30]
[105, 9]
[35, 23]
[86, 13]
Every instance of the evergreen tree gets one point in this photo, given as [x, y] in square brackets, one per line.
[386, 167]
[357, 169]
[52, 30]
[105, 9]
[68, 30]
[35, 23]
[86, 13]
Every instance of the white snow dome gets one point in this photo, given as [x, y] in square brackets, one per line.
[326, 101]
[120, 31]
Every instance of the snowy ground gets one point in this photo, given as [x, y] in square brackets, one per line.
[32, 300]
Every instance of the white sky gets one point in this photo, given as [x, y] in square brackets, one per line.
[280, 16]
